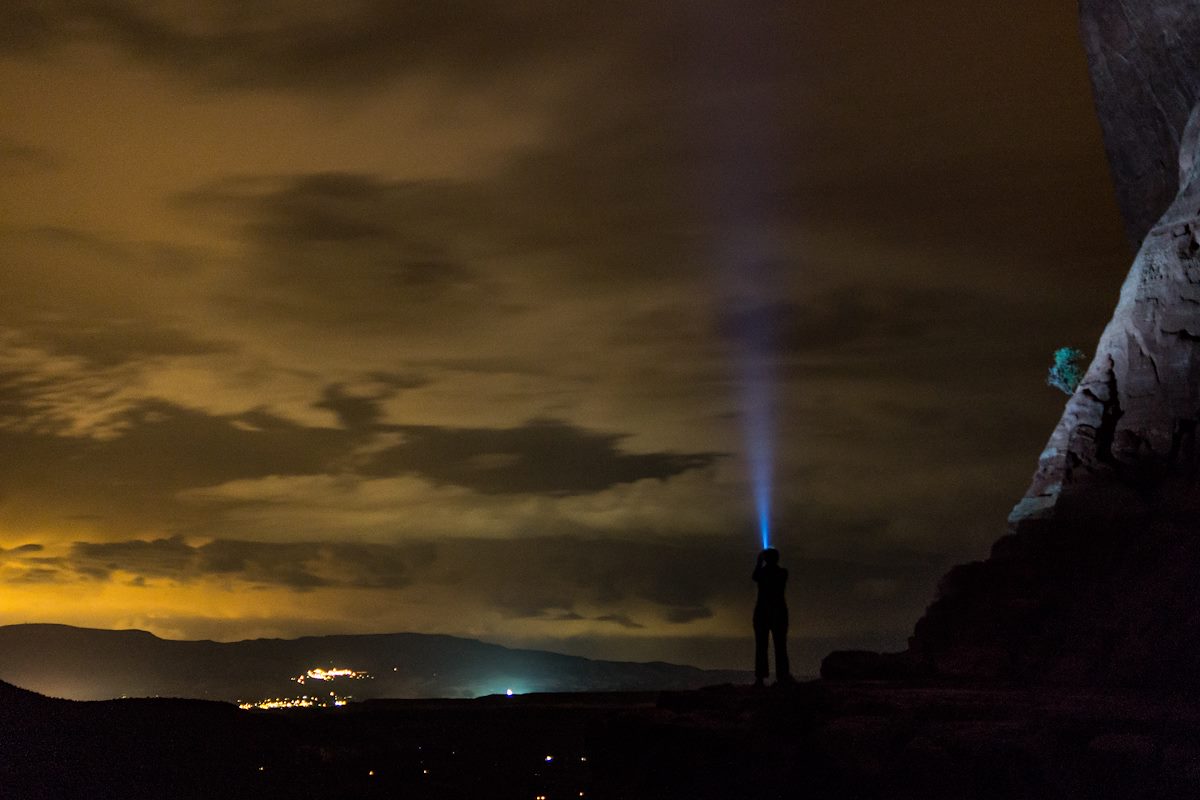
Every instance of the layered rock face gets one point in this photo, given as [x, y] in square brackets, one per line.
[1145, 69]
[1125, 446]
[1098, 581]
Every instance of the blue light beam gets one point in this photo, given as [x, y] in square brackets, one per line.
[755, 320]
[758, 430]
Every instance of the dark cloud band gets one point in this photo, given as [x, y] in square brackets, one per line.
[295, 565]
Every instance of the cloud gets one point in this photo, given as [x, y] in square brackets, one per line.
[685, 614]
[158, 466]
[903, 219]
[350, 249]
[223, 44]
[23, 564]
[106, 301]
[619, 619]
[683, 580]
[157, 558]
[886, 330]
[353, 412]
[825, 323]
[247, 626]
[556, 586]
[37, 575]
[22, 549]
[296, 566]
[18, 159]
[111, 342]
[539, 457]
[363, 412]
[606, 578]
[129, 468]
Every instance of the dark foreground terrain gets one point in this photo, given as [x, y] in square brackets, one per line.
[816, 740]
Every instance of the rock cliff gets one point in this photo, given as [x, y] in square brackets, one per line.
[1125, 446]
[1098, 580]
[1145, 69]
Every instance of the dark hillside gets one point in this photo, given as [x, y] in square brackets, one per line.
[88, 664]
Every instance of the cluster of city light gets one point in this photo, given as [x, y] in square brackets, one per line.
[319, 674]
[303, 701]
[280, 702]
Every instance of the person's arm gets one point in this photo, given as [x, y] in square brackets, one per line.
[758, 567]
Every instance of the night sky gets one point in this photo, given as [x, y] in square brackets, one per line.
[374, 316]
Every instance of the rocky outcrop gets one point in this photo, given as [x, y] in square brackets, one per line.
[1098, 581]
[1145, 69]
[1079, 604]
[1126, 443]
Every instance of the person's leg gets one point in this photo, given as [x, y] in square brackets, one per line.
[783, 669]
[761, 634]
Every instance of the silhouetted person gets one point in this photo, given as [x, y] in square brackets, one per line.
[770, 617]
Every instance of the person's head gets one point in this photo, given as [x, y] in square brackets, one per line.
[771, 556]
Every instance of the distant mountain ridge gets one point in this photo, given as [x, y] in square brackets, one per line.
[95, 664]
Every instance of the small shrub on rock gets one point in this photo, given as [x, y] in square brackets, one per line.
[1067, 370]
